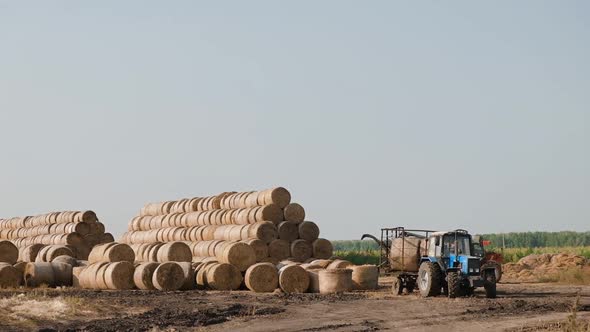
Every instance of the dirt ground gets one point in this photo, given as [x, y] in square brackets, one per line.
[519, 307]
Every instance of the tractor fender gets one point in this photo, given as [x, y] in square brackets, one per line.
[428, 259]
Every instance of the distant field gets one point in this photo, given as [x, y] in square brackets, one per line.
[357, 252]
[514, 254]
[359, 257]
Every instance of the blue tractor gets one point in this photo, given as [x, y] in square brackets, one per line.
[450, 266]
[435, 262]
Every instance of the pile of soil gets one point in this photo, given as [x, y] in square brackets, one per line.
[543, 267]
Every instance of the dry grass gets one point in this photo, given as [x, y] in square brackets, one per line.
[25, 310]
[573, 323]
[572, 276]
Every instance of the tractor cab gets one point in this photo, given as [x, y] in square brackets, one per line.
[453, 250]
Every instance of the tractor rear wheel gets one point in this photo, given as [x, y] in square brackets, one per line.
[490, 285]
[429, 279]
[454, 282]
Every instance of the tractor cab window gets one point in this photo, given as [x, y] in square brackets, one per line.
[461, 247]
[478, 250]
[434, 247]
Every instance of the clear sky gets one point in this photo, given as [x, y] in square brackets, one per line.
[372, 113]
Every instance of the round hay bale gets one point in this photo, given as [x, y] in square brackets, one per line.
[98, 252]
[260, 248]
[339, 264]
[82, 228]
[309, 231]
[8, 252]
[142, 277]
[286, 262]
[223, 276]
[20, 267]
[100, 277]
[293, 279]
[119, 275]
[41, 255]
[335, 281]
[70, 239]
[87, 216]
[301, 250]
[201, 274]
[76, 272]
[56, 251]
[405, 253]
[152, 252]
[314, 279]
[279, 196]
[29, 253]
[111, 252]
[239, 254]
[66, 260]
[174, 252]
[96, 228]
[235, 233]
[82, 251]
[9, 276]
[262, 278]
[106, 238]
[189, 276]
[271, 212]
[322, 263]
[288, 231]
[215, 248]
[62, 273]
[279, 249]
[271, 260]
[294, 212]
[365, 277]
[264, 230]
[37, 274]
[322, 249]
[168, 277]
[88, 277]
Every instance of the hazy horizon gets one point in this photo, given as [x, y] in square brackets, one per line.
[374, 114]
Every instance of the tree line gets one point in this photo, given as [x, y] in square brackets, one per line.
[498, 240]
[538, 239]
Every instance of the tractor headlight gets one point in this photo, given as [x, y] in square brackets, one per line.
[471, 270]
[477, 270]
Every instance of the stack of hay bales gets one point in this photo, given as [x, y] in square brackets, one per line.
[9, 275]
[49, 274]
[116, 266]
[110, 266]
[335, 276]
[55, 233]
[241, 229]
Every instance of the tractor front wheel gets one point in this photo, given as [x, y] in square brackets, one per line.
[429, 279]
[490, 285]
[454, 282]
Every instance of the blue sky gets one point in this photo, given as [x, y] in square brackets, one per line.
[379, 113]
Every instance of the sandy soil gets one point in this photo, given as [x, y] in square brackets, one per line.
[519, 307]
